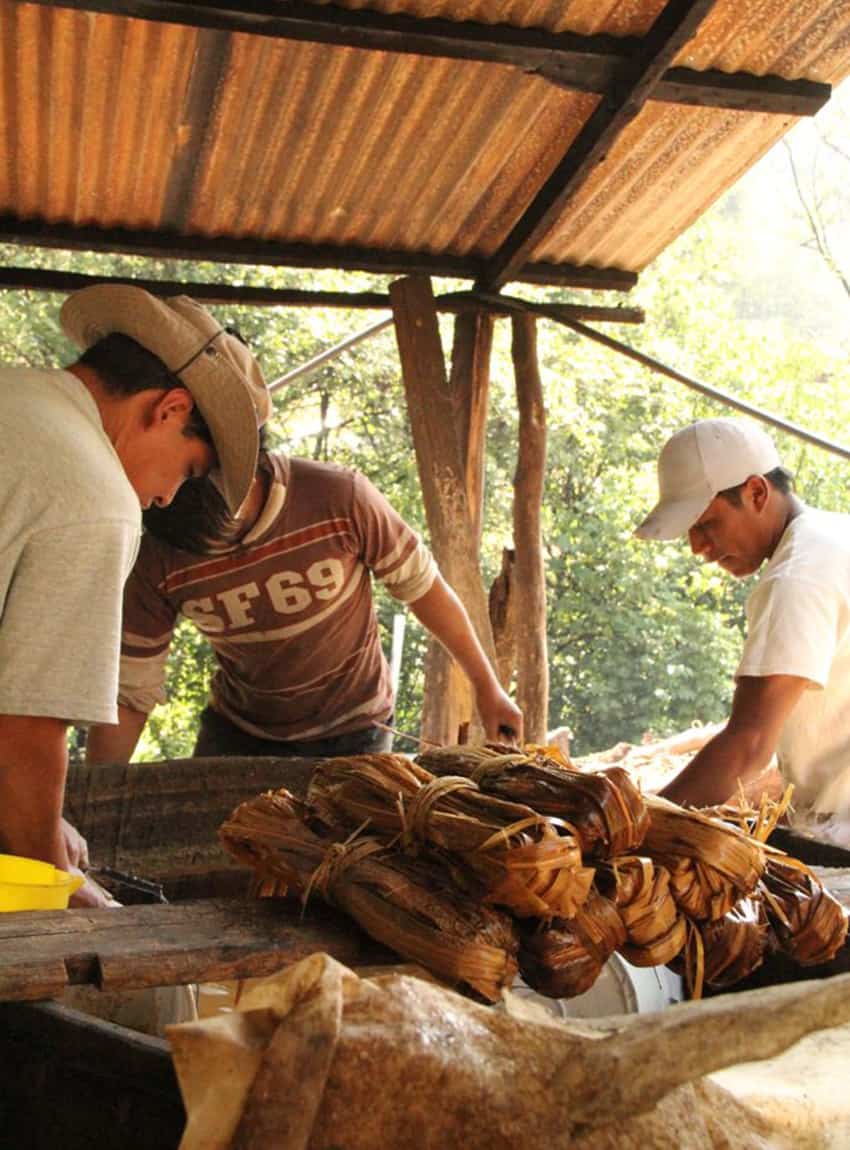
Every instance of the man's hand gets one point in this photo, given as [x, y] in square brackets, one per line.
[500, 716]
[91, 895]
[76, 846]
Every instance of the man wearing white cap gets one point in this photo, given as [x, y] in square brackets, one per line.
[722, 484]
[161, 393]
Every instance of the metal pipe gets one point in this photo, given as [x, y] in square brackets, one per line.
[325, 356]
[514, 304]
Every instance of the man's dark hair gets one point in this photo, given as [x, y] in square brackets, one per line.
[125, 368]
[197, 519]
[780, 478]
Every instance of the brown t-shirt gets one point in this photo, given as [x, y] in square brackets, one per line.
[288, 611]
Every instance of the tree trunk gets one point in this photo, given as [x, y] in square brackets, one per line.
[437, 410]
[529, 581]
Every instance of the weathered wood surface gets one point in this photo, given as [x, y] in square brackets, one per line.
[77, 1082]
[529, 586]
[443, 475]
[161, 820]
[43, 953]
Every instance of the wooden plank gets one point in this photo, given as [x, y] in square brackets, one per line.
[678, 23]
[137, 946]
[161, 820]
[529, 579]
[224, 249]
[567, 59]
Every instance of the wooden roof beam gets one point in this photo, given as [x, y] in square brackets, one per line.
[580, 63]
[171, 245]
[48, 279]
[678, 23]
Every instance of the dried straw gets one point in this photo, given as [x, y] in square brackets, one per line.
[409, 904]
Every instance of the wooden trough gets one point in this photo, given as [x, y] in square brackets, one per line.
[78, 1082]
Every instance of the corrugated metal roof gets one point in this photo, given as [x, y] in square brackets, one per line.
[116, 122]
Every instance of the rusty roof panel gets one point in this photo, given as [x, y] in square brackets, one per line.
[343, 146]
[110, 121]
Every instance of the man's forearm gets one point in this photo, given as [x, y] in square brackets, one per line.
[115, 743]
[712, 775]
[443, 614]
[33, 766]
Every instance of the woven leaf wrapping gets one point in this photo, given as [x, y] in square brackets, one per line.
[809, 925]
[409, 904]
[640, 890]
[603, 808]
[528, 863]
[712, 864]
[734, 945]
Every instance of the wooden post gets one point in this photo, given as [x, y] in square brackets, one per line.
[529, 588]
[444, 466]
[502, 605]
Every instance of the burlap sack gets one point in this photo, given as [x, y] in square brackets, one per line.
[317, 1058]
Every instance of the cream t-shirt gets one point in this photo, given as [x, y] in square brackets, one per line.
[798, 617]
[69, 533]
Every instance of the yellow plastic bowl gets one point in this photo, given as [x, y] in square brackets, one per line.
[28, 884]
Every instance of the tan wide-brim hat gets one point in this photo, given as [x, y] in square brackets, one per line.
[218, 370]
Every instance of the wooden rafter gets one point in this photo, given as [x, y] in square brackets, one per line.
[580, 63]
[46, 279]
[675, 26]
[171, 245]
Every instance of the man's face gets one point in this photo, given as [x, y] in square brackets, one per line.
[730, 536]
[159, 458]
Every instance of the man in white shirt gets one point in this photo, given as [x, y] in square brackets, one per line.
[722, 484]
[161, 393]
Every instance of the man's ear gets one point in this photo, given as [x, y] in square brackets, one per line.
[758, 490]
[176, 403]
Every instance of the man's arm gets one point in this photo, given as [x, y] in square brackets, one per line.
[440, 610]
[115, 743]
[744, 747]
[33, 766]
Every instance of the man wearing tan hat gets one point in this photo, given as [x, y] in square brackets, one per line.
[722, 484]
[161, 393]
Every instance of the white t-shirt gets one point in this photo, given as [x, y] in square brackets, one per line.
[798, 617]
[69, 532]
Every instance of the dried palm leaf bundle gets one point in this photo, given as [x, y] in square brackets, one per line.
[604, 808]
[734, 946]
[408, 904]
[712, 864]
[808, 923]
[554, 959]
[529, 864]
[654, 926]
[564, 958]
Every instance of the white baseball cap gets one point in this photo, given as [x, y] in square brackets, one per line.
[697, 463]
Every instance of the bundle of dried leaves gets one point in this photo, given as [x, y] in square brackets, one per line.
[808, 924]
[712, 864]
[604, 808]
[655, 927]
[529, 863]
[412, 905]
